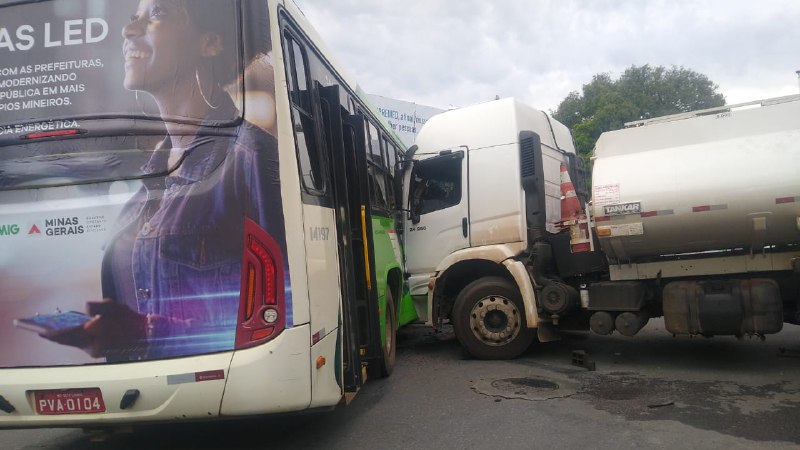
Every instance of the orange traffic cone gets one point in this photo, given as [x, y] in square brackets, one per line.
[572, 215]
[570, 205]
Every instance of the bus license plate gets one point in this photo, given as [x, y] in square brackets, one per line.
[69, 401]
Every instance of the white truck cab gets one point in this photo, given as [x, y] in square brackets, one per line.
[468, 228]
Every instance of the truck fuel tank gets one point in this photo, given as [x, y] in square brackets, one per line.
[717, 307]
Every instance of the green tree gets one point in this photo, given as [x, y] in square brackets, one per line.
[641, 92]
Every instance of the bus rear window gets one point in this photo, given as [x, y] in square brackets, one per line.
[82, 161]
[68, 60]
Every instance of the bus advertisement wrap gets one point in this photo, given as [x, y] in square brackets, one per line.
[140, 207]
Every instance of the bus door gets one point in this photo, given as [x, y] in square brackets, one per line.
[346, 155]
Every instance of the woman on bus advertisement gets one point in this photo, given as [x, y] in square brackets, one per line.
[172, 273]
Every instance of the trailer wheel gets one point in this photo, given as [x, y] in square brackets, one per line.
[386, 364]
[489, 319]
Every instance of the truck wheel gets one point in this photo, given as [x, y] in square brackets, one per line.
[386, 364]
[489, 319]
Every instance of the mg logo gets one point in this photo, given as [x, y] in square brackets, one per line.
[9, 230]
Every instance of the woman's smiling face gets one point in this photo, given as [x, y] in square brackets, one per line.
[160, 47]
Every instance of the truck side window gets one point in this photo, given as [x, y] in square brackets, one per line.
[436, 184]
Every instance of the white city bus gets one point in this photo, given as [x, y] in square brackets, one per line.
[196, 215]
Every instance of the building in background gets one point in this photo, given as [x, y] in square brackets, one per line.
[405, 118]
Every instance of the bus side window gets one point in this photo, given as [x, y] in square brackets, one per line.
[392, 155]
[389, 159]
[308, 153]
[351, 105]
[375, 169]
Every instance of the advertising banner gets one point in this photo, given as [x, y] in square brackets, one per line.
[132, 189]
[405, 118]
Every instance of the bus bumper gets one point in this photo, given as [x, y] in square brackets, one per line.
[276, 376]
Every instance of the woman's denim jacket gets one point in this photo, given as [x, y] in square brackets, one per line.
[184, 236]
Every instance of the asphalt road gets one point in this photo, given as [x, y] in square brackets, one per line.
[651, 391]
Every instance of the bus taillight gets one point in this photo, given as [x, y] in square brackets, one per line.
[262, 311]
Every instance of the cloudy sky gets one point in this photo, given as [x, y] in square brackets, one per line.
[458, 52]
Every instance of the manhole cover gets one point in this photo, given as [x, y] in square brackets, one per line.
[527, 387]
[523, 386]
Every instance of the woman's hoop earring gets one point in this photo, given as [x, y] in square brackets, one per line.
[202, 94]
[139, 102]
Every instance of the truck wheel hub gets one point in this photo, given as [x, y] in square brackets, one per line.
[495, 320]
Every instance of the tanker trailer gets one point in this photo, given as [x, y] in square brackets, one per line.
[698, 215]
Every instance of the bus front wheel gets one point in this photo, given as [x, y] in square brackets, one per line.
[489, 319]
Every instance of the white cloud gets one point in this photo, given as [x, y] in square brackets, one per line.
[459, 52]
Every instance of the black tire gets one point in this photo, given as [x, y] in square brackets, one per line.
[386, 363]
[489, 319]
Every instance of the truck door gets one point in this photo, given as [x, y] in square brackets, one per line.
[437, 223]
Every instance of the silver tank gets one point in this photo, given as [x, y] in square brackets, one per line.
[714, 180]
